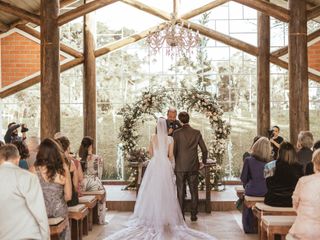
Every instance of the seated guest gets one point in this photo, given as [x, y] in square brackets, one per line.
[286, 175]
[253, 179]
[304, 145]
[65, 144]
[247, 154]
[306, 202]
[23, 213]
[92, 166]
[55, 180]
[309, 167]
[24, 154]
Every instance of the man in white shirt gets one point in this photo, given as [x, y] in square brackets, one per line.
[23, 212]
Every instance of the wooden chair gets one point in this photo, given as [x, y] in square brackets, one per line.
[57, 226]
[272, 225]
[250, 201]
[77, 215]
[260, 209]
[90, 201]
[100, 195]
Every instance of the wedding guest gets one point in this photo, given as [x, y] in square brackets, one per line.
[92, 166]
[53, 173]
[286, 175]
[24, 154]
[23, 213]
[247, 154]
[253, 180]
[172, 122]
[12, 133]
[304, 145]
[309, 167]
[306, 202]
[33, 144]
[65, 144]
[275, 140]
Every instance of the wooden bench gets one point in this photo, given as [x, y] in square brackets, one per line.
[239, 191]
[90, 201]
[272, 225]
[260, 209]
[100, 195]
[250, 201]
[57, 226]
[77, 215]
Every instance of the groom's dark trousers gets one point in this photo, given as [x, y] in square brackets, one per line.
[186, 142]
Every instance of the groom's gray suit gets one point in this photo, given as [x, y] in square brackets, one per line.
[186, 142]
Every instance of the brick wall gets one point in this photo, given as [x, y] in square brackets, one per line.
[20, 57]
[314, 56]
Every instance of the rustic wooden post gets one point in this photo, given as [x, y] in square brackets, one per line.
[50, 68]
[263, 81]
[298, 69]
[89, 81]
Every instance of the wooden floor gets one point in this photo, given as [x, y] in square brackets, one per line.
[123, 200]
[222, 225]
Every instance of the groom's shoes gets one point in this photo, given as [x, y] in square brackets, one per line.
[194, 218]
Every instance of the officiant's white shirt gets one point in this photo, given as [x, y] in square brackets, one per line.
[23, 212]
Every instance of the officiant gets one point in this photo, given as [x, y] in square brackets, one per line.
[172, 122]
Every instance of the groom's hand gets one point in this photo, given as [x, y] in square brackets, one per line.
[170, 131]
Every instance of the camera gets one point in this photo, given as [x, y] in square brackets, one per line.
[270, 133]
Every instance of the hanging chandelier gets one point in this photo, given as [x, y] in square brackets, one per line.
[175, 37]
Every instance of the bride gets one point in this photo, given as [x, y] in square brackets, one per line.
[157, 214]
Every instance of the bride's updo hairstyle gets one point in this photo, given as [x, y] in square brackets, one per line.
[184, 117]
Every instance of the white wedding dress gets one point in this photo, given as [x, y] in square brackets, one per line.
[157, 214]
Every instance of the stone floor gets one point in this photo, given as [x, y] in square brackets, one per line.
[222, 225]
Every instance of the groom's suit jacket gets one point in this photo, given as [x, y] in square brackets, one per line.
[186, 142]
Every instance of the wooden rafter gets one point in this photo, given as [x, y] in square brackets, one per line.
[128, 40]
[63, 3]
[143, 7]
[63, 47]
[4, 27]
[83, 10]
[284, 50]
[203, 9]
[16, 11]
[14, 88]
[267, 8]
[313, 12]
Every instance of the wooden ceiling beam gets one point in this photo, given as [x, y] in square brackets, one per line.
[267, 8]
[4, 27]
[83, 10]
[203, 9]
[128, 40]
[313, 12]
[284, 50]
[63, 47]
[19, 86]
[143, 7]
[19, 12]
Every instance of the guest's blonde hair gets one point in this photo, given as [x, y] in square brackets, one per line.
[305, 138]
[262, 149]
[316, 160]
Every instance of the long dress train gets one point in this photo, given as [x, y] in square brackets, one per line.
[157, 214]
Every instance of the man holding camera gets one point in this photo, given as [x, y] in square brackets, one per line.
[172, 123]
[12, 133]
[275, 141]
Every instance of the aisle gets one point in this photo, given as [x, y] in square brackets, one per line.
[223, 225]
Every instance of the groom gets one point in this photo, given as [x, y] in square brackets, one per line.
[186, 142]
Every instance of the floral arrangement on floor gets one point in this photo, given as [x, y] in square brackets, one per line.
[193, 99]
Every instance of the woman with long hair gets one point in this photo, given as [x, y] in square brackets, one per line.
[286, 175]
[54, 176]
[92, 166]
